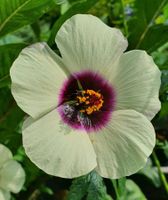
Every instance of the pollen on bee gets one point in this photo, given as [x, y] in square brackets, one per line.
[90, 101]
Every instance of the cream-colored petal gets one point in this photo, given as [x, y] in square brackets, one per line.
[122, 148]
[86, 43]
[5, 154]
[57, 149]
[12, 176]
[36, 79]
[136, 80]
[4, 195]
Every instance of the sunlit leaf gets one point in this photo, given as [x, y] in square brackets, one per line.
[16, 13]
[133, 191]
[155, 37]
[145, 13]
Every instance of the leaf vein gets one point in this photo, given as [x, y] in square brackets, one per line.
[13, 13]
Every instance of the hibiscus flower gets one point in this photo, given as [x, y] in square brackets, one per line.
[89, 108]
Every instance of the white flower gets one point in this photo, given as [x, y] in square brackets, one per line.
[12, 175]
[90, 108]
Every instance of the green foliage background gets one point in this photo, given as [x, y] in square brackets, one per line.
[145, 24]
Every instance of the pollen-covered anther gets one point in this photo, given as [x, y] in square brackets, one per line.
[90, 101]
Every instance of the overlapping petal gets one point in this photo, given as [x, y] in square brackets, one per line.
[5, 154]
[36, 79]
[122, 148]
[136, 80]
[56, 148]
[12, 176]
[86, 43]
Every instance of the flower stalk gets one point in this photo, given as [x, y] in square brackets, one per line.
[161, 174]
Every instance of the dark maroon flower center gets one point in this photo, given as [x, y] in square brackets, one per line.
[86, 101]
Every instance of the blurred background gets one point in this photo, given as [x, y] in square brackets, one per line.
[145, 24]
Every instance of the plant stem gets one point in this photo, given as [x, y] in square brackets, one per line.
[114, 182]
[4, 77]
[161, 174]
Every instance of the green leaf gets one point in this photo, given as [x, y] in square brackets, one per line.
[151, 173]
[11, 138]
[79, 7]
[60, 1]
[127, 189]
[8, 54]
[33, 173]
[16, 13]
[155, 37]
[10, 118]
[78, 188]
[146, 12]
[164, 110]
[4, 81]
[133, 191]
[122, 186]
[165, 11]
[91, 185]
[164, 91]
[97, 189]
[161, 57]
[119, 186]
